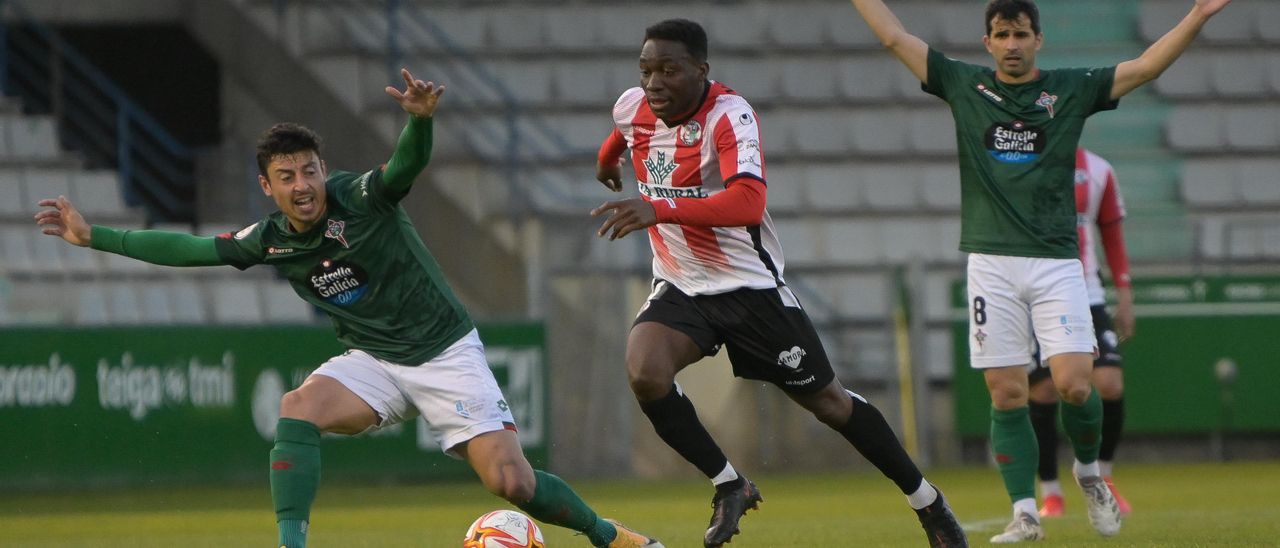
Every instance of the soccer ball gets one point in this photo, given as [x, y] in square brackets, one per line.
[503, 529]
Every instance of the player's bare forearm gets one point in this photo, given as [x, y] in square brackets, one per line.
[1159, 56]
[908, 48]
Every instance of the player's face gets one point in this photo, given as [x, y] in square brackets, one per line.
[1013, 45]
[296, 183]
[671, 78]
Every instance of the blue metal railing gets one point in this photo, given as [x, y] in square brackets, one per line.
[95, 117]
[518, 138]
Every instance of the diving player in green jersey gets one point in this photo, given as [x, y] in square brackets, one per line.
[346, 246]
[1017, 129]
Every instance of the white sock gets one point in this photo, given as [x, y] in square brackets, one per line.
[923, 495]
[1026, 506]
[728, 474]
[1105, 467]
[1082, 470]
[1050, 488]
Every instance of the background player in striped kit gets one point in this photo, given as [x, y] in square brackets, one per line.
[1017, 130]
[347, 246]
[718, 276]
[1098, 204]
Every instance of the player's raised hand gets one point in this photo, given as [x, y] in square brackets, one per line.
[625, 216]
[418, 98]
[1210, 7]
[63, 221]
[610, 174]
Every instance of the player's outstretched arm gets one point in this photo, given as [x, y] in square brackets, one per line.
[609, 161]
[152, 246]
[907, 47]
[1153, 62]
[413, 150]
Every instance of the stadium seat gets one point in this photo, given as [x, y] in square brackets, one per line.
[836, 187]
[33, 137]
[1231, 26]
[621, 27]
[932, 131]
[530, 82]
[572, 29]
[754, 79]
[788, 188]
[282, 305]
[1244, 241]
[910, 239]
[853, 242]
[808, 79]
[1158, 16]
[1195, 129]
[889, 187]
[236, 302]
[464, 28]
[865, 78]
[864, 296]
[45, 182]
[154, 304]
[1209, 183]
[940, 186]
[803, 27]
[6, 150]
[1240, 74]
[1259, 182]
[1265, 21]
[187, 301]
[1253, 128]
[589, 83]
[98, 193]
[815, 132]
[17, 249]
[800, 242]
[1187, 78]
[13, 202]
[516, 28]
[845, 29]
[123, 303]
[739, 29]
[877, 131]
[962, 26]
[47, 252]
[91, 306]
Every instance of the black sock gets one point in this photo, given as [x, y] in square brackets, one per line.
[870, 435]
[676, 422]
[1044, 419]
[1112, 425]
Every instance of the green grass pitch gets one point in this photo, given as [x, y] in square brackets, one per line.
[1231, 504]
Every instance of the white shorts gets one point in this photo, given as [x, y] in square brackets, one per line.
[1016, 301]
[455, 392]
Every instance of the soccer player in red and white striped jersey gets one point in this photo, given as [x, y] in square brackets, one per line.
[1098, 204]
[696, 150]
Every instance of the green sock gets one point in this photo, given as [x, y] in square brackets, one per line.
[295, 476]
[1014, 442]
[1083, 425]
[555, 502]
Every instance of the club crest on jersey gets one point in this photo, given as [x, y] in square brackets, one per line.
[659, 168]
[1047, 101]
[990, 94]
[334, 232]
[690, 133]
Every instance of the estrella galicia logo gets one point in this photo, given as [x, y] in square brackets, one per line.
[659, 168]
[1015, 142]
[338, 282]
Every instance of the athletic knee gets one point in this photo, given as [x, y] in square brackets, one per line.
[649, 381]
[1075, 393]
[295, 404]
[1008, 395]
[511, 484]
[1111, 390]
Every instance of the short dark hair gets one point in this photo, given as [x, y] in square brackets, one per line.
[284, 139]
[1008, 10]
[681, 30]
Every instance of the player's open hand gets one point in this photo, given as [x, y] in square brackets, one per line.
[610, 174]
[625, 216]
[1210, 7]
[63, 221]
[418, 98]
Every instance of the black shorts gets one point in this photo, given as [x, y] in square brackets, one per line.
[768, 336]
[1108, 345]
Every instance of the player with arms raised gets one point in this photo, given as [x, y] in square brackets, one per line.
[346, 245]
[1017, 129]
[717, 268]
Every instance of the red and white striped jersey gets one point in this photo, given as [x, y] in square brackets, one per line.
[719, 143]
[1098, 202]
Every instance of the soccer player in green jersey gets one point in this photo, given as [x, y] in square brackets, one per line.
[1017, 129]
[346, 245]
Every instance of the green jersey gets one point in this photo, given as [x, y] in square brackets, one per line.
[365, 266]
[1017, 145]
